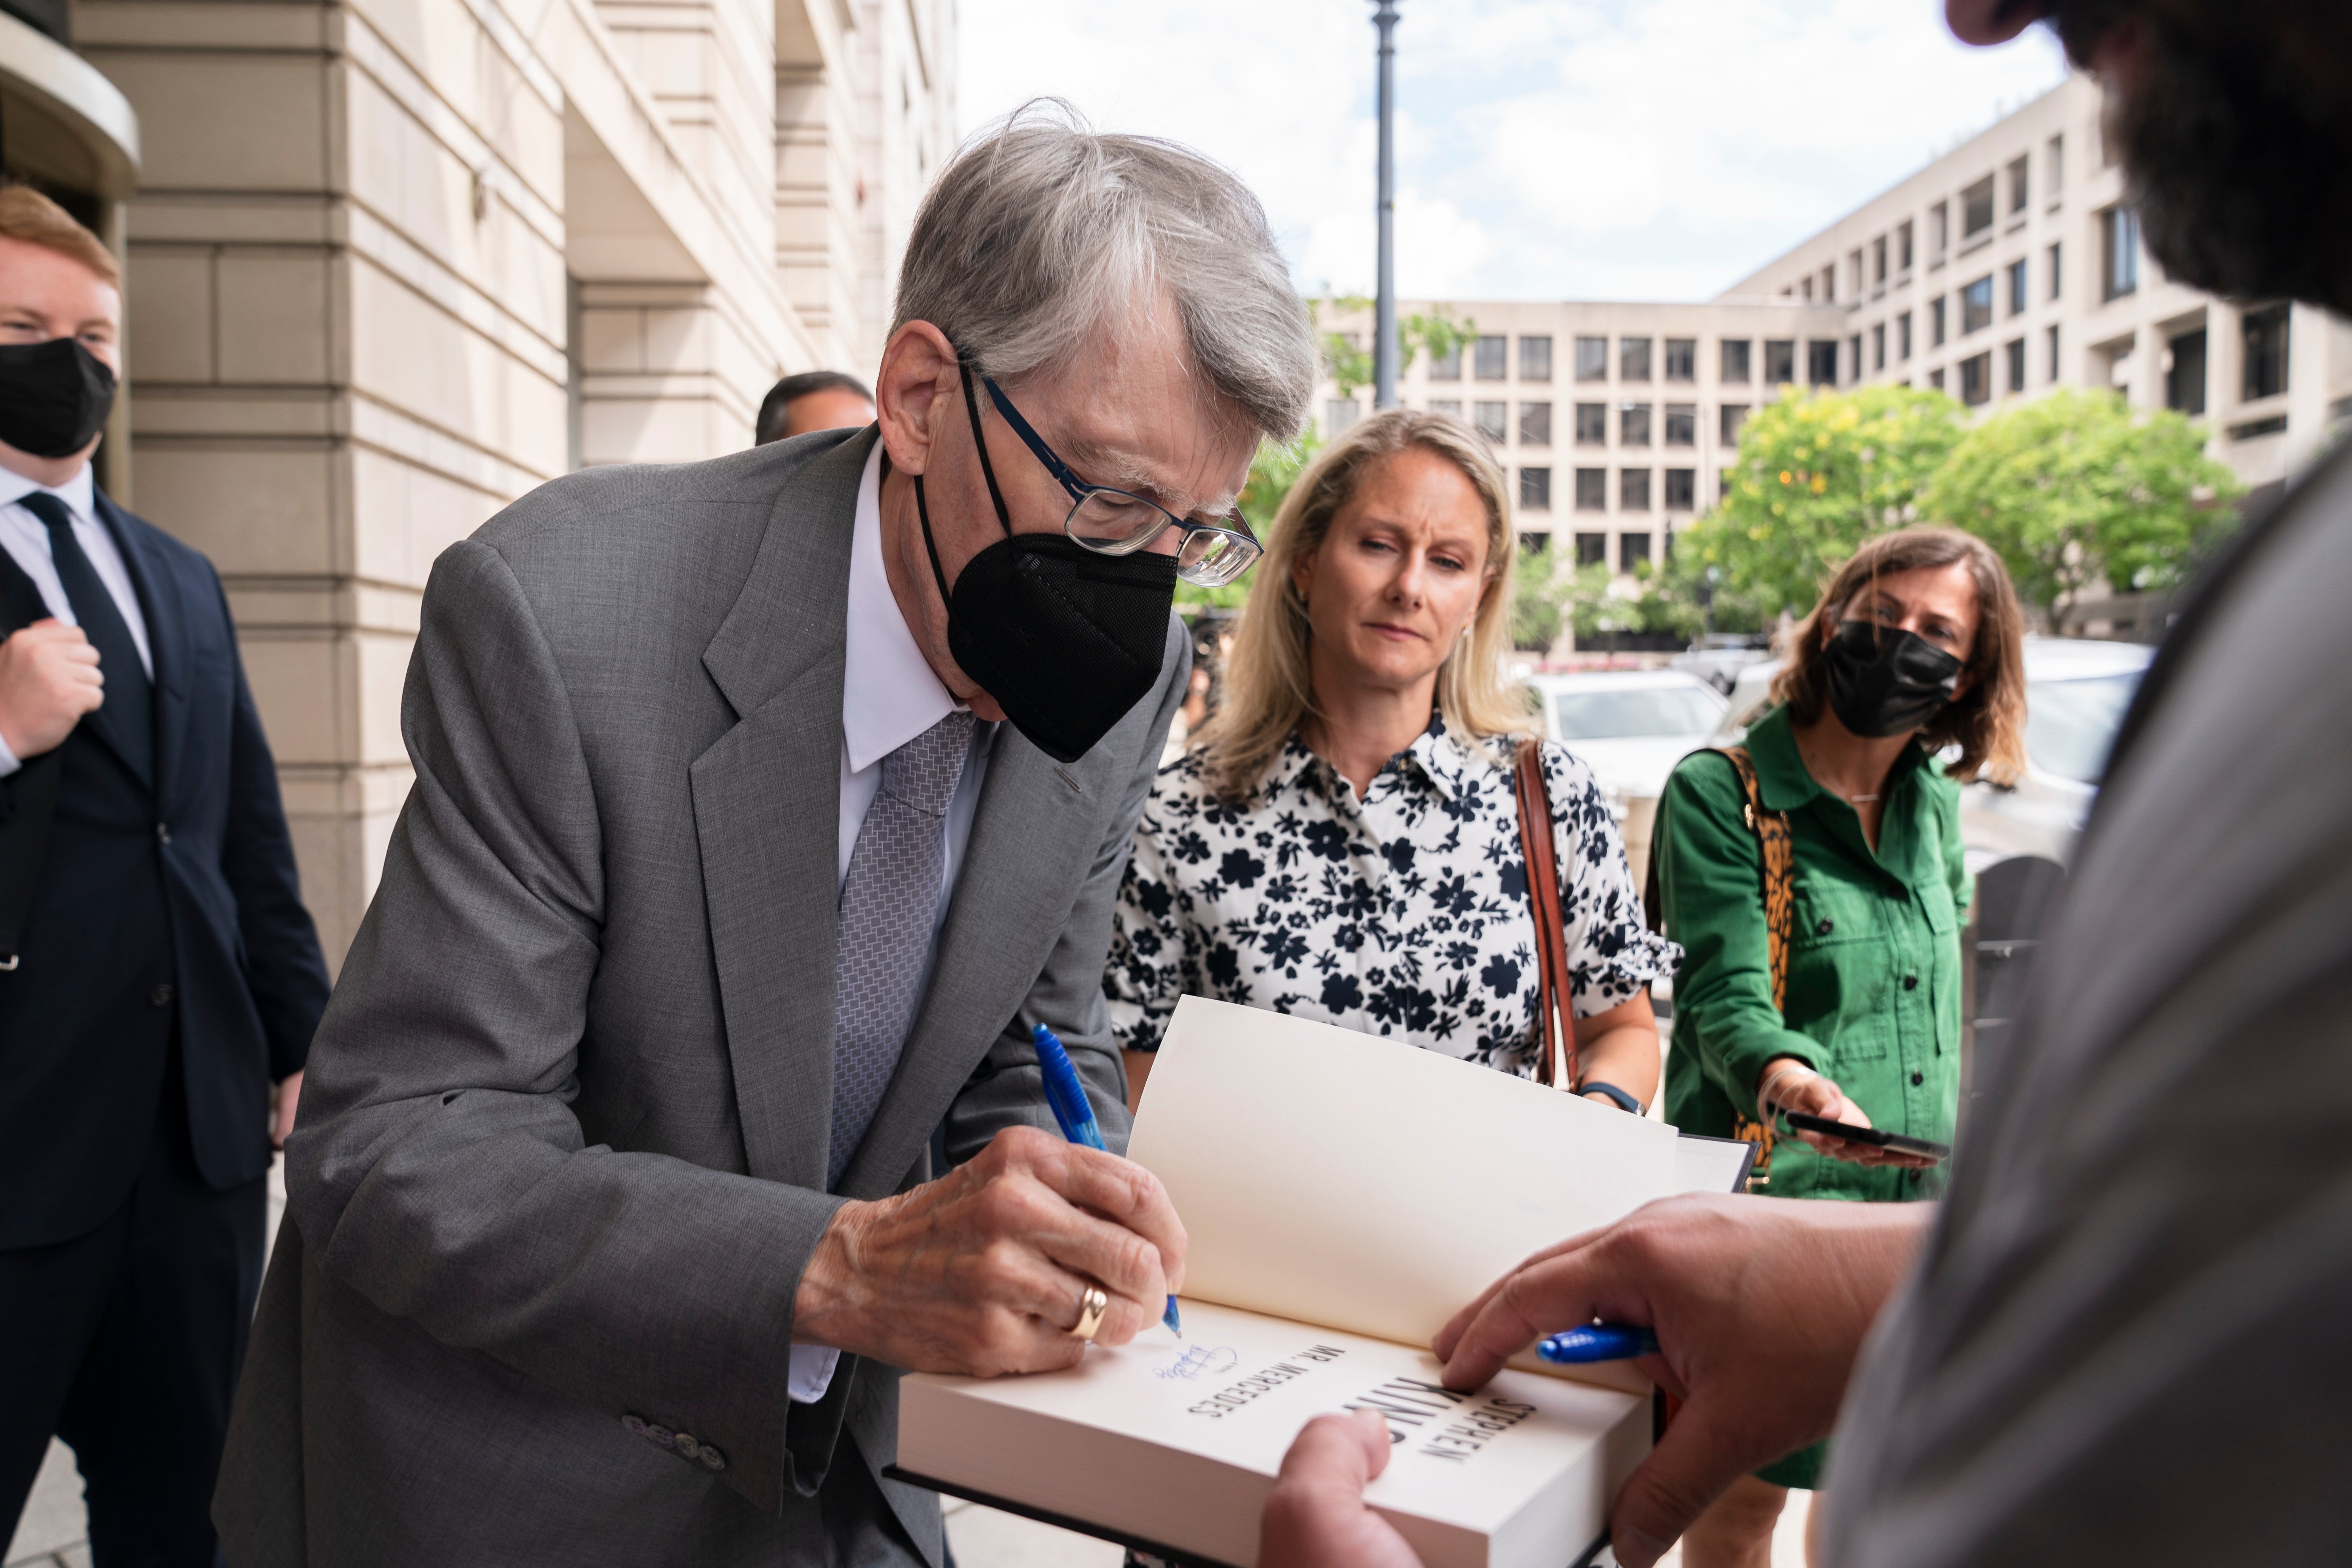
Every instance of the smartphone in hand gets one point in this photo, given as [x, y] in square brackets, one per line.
[1877, 1137]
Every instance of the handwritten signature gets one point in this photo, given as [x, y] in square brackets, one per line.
[1195, 1360]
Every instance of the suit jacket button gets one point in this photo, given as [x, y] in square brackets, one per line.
[713, 1457]
[634, 1425]
[160, 998]
[686, 1446]
[661, 1434]
[164, 833]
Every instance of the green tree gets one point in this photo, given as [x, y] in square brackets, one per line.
[1273, 471]
[2077, 486]
[1600, 603]
[1350, 364]
[1436, 334]
[1818, 473]
[1536, 595]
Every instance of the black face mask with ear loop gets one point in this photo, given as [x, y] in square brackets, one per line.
[54, 396]
[1065, 639]
[1885, 681]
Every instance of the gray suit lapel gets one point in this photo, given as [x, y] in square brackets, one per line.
[766, 810]
[1033, 837]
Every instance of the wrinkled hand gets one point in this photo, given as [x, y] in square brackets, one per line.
[981, 1271]
[1796, 1086]
[1760, 1306]
[1316, 1517]
[49, 680]
[282, 1101]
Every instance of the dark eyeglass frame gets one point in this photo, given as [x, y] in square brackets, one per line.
[1233, 533]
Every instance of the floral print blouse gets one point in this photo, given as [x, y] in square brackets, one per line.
[1403, 914]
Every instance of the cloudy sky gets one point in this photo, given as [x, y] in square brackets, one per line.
[1547, 149]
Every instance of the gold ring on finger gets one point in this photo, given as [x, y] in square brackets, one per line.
[1092, 1307]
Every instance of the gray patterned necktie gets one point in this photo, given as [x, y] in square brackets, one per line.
[889, 902]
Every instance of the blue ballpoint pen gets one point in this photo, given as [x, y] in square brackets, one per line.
[1076, 1114]
[1597, 1342]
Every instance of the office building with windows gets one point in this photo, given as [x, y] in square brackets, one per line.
[2008, 265]
[1615, 422]
[2011, 265]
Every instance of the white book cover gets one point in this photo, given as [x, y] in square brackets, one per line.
[1344, 1195]
[1174, 1444]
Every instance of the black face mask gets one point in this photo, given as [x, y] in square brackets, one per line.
[54, 396]
[1065, 640]
[1886, 682]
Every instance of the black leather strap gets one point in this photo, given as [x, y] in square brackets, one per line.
[29, 797]
[1625, 1102]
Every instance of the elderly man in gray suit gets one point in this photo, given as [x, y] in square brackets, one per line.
[762, 806]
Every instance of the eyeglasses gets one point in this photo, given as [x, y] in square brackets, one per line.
[1113, 522]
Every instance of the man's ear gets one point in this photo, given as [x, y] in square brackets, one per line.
[916, 393]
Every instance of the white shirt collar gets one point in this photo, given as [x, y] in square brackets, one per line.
[889, 694]
[78, 493]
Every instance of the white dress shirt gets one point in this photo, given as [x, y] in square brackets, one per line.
[27, 540]
[888, 696]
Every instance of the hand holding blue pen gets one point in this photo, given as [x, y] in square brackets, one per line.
[1597, 1342]
[1076, 1114]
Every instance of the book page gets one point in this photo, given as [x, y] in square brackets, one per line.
[1344, 1179]
[1178, 1441]
[1710, 1165]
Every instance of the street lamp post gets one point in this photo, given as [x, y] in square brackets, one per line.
[1384, 330]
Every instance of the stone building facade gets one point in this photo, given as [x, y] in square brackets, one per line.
[392, 263]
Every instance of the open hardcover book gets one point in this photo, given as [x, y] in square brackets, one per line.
[1344, 1195]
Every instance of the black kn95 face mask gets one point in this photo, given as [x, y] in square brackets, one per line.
[54, 396]
[1065, 639]
[1885, 681]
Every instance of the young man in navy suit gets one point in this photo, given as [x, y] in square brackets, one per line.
[158, 971]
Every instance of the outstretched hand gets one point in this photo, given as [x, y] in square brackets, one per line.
[1793, 1085]
[1316, 1517]
[1760, 1306]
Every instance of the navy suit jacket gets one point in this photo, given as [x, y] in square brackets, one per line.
[163, 911]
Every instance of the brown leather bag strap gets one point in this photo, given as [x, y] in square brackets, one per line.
[1555, 1017]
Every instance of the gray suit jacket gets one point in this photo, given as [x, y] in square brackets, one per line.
[563, 1141]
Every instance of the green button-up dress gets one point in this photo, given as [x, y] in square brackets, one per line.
[1873, 986]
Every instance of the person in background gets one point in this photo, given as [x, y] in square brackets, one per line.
[2122, 1338]
[813, 400]
[1342, 841]
[1914, 648]
[164, 974]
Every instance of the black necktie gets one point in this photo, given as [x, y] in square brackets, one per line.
[128, 712]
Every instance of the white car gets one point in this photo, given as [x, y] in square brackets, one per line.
[2076, 690]
[1630, 726]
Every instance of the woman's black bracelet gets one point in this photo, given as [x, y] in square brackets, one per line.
[1625, 1102]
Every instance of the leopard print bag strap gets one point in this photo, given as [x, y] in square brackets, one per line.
[1778, 850]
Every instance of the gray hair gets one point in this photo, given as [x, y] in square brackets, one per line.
[1041, 232]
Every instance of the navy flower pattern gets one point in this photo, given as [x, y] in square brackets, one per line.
[1402, 914]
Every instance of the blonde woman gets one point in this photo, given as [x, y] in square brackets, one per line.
[1342, 841]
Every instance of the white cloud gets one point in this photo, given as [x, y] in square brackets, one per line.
[1625, 149]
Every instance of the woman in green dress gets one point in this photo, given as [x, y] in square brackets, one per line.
[1913, 648]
